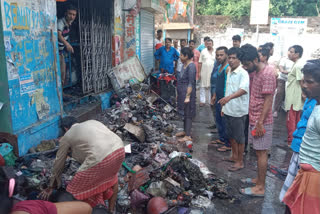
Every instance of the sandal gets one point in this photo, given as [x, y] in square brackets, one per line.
[247, 181]
[180, 134]
[217, 142]
[224, 149]
[234, 169]
[228, 160]
[247, 191]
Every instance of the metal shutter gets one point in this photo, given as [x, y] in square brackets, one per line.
[147, 40]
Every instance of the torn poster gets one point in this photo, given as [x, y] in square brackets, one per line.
[26, 84]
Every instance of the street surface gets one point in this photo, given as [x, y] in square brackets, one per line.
[280, 157]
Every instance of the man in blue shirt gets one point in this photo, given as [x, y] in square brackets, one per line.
[218, 83]
[295, 145]
[167, 55]
[203, 46]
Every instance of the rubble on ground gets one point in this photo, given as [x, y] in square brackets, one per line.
[156, 166]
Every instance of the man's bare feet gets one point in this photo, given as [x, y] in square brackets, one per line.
[254, 180]
[229, 159]
[237, 166]
[180, 134]
[185, 138]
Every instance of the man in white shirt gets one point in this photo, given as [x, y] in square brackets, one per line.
[285, 66]
[236, 107]
[176, 45]
[183, 44]
[158, 40]
[206, 63]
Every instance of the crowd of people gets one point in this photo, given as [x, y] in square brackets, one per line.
[246, 93]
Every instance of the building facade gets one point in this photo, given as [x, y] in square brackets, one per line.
[104, 35]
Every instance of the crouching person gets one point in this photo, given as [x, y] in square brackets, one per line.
[100, 152]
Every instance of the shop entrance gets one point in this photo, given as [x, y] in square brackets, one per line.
[91, 39]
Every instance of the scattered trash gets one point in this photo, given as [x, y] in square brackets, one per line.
[157, 189]
[46, 145]
[136, 131]
[203, 168]
[157, 174]
[7, 156]
[279, 173]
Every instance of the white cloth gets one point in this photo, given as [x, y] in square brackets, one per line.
[179, 65]
[287, 65]
[237, 79]
[157, 41]
[205, 95]
[207, 59]
[90, 142]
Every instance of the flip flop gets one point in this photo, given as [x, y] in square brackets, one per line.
[216, 142]
[224, 149]
[234, 169]
[247, 181]
[228, 160]
[247, 191]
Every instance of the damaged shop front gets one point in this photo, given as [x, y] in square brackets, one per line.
[104, 36]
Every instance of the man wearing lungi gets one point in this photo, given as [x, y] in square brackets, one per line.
[303, 197]
[100, 153]
[260, 115]
[294, 165]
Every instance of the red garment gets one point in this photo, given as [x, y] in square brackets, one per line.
[303, 197]
[94, 185]
[195, 59]
[159, 45]
[293, 117]
[263, 83]
[251, 76]
[167, 78]
[35, 207]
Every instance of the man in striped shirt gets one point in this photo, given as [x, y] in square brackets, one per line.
[63, 36]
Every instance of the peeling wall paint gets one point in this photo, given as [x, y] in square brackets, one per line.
[28, 28]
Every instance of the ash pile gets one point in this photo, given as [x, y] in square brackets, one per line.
[158, 174]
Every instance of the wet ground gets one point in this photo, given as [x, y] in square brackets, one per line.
[280, 156]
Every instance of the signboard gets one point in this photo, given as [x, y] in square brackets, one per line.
[280, 28]
[130, 37]
[259, 12]
[138, 26]
[290, 26]
[130, 69]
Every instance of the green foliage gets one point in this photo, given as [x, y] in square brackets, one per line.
[238, 8]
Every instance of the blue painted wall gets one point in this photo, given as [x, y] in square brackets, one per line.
[30, 40]
[105, 98]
